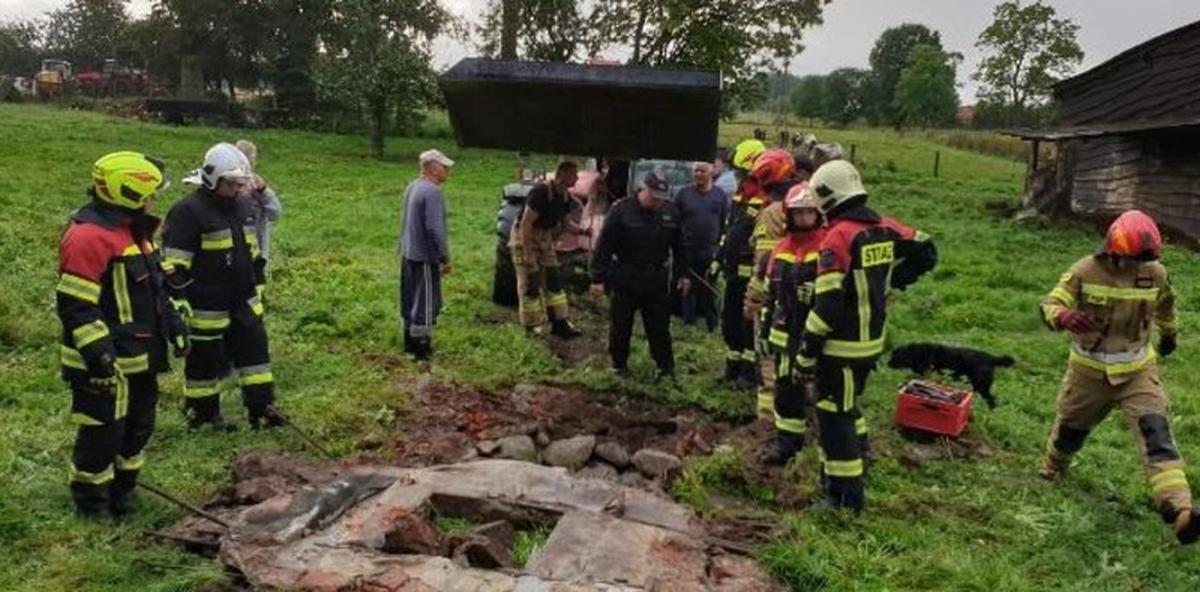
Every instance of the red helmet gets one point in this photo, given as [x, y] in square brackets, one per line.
[1134, 234]
[773, 167]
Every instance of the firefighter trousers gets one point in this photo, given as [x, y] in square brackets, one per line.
[1085, 399]
[844, 440]
[790, 404]
[737, 332]
[766, 369]
[227, 344]
[655, 306]
[541, 286]
[113, 427]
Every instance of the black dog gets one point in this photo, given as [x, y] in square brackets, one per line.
[975, 366]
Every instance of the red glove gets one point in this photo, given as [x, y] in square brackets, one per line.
[1077, 321]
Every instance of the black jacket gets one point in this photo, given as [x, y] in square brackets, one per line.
[636, 245]
[211, 254]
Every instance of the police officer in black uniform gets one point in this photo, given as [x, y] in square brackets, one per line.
[641, 238]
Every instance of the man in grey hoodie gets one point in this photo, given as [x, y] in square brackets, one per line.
[263, 201]
[424, 253]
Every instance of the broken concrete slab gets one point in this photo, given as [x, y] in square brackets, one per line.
[571, 453]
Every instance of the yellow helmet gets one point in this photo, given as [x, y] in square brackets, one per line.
[745, 154]
[834, 183]
[127, 179]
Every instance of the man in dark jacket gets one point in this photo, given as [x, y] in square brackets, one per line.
[116, 322]
[642, 236]
[215, 272]
[703, 208]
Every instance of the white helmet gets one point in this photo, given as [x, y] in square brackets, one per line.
[222, 161]
[836, 182]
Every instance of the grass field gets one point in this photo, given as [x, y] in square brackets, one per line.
[985, 524]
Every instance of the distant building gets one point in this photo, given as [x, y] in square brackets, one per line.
[1129, 137]
[965, 116]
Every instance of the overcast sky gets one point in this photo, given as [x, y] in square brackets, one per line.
[851, 27]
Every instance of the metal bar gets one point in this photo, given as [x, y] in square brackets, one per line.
[189, 507]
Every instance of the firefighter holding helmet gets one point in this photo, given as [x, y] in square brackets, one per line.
[1108, 302]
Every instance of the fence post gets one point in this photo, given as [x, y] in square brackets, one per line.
[853, 152]
[937, 161]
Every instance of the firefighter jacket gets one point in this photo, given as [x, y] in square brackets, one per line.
[769, 228]
[211, 257]
[736, 251]
[1126, 298]
[791, 271]
[110, 296]
[863, 257]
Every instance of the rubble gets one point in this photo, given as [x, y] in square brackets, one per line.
[518, 448]
[613, 453]
[656, 464]
[571, 453]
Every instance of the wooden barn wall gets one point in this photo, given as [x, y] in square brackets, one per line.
[1158, 173]
[1157, 83]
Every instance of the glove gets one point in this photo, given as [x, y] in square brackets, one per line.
[183, 307]
[103, 373]
[1167, 344]
[1077, 321]
[178, 335]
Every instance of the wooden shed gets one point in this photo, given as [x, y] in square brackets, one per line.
[1128, 137]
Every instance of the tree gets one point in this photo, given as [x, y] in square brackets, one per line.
[223, 39]
[808, 98]
[925, 95]
[289, 50]
[845, 95]
[20, 48]
[377, 59]
[546, 30]
[889, 57]
[739, 38]
[87, 32]
[1030, 51]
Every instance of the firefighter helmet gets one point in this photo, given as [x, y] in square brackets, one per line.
[224, 161]
[1134, 234]
[127, 179]
[799, 197]
[746, 153]
[773, 167]
[834, 183]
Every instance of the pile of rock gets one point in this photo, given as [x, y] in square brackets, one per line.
[589, 457]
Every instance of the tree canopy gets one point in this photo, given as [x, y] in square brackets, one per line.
[889, 58]
[925, 95]
[1029, 50]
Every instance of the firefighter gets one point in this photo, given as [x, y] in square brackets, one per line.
[540, 279]
[773, 171]
[735, 258]
[863, 257]
[1108, 302]
[789, 272]
[116, 322]
[642, 237]
[215, 272]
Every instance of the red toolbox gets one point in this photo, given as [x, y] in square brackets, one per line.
[933, 407]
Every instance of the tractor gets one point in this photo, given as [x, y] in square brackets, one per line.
[53, 80]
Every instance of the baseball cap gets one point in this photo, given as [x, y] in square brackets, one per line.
[657, 184]
[435, 155]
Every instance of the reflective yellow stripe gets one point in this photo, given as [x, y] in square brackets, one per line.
[749, 356]
[1063, 296]
[216, 241]
[733, 355]
[197, 389]
[209, 319]
[131, 250]
[854, 349]
[811, 256]
[1115, 368]
[816, 325]
[827, 405]
[133, 364]
[778, 337]
[556, 299]
[250, 375]
[198, 337]
[790, 258]
[1168, 479]
[92, 332]
[1102, 291]
[256, 305]
[100, 478]
[920, 236]
[121, 291]
[847, 389]
[844, 468]
[765, 244]
[71, 358]
[178, 257]
[85, 420]
[793, 426]
[829, 282]
[83, 289]
[745, 271]
[864, 304]
[765, 403]
[860, 426]
[130, 464]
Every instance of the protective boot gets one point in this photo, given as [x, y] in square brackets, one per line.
[732, 371]
[1187, 526]
[91, 501]
[1053, 468]
[787, 446]
[563, 328]
[263, 417]
[207, 411]
[122, 494]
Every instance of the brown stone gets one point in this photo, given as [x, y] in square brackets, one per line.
[411, 532]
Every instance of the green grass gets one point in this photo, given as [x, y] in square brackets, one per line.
[953, 525]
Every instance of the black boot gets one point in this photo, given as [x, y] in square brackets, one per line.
[787, 445]
[122, 494]
[207, 411]
[731, 371]
[665, 375]
[263, 417]
[91, 501]
[563, 328]
[1187, 526]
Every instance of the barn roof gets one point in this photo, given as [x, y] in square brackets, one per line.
[1103, 129]
[555, 108]
[1188, 31]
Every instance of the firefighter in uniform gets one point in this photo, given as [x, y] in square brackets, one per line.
[1108, 302]
[642, 237]
[116, 322]
[540, 279]
[735, 257]
[774, 172]
[215, 273]
[863, 257]
[789, 273]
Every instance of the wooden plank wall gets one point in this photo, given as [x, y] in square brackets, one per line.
[1155, 82]
[1157, 173]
